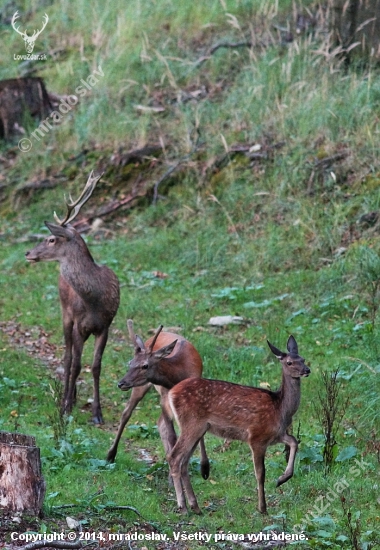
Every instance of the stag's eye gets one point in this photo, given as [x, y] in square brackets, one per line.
[144, 366]
[51, 240]
[289, 363]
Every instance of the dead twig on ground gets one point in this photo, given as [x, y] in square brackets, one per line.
[196, 146]
[322, 165]
[218, 45]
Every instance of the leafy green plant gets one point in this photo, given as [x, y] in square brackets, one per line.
[58, 420]
[330, 408]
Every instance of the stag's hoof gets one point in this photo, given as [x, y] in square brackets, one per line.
[98, 419]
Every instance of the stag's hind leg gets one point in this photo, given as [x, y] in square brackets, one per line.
[136, 395]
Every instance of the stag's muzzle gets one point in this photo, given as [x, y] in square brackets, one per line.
[123, 386]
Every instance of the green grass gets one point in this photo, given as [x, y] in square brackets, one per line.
[263, 241]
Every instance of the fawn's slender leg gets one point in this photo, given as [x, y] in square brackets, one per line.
[293, 446]
[258, 453]
[100, 344]
[205, 464]
[179, 468]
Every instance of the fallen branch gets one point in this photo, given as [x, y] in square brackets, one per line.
[244, 44]
[27, 189]
[111, 207]
[218, 45]
[322, 165]
[123, 508]
[168, 172]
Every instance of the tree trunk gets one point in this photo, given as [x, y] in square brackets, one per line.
[22, 487]
[353, 21]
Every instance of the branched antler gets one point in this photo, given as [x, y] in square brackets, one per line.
[73, 207]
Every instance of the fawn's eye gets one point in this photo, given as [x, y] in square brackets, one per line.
[144, 366]
[289, 363]
[51, 240]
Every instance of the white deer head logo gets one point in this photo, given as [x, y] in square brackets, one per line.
[29, 40]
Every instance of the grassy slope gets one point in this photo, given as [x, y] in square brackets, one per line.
[265, 249]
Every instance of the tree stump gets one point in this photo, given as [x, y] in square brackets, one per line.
[354, 21]
[22, 487]
[18, 98]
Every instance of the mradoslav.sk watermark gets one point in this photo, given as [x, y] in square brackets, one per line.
[29, 40]
[65, 106]
[323, 502]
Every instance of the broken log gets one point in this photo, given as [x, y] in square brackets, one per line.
[22, 487]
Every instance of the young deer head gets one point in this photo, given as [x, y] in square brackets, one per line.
[257, 416]
[89, 295]
[163, 360]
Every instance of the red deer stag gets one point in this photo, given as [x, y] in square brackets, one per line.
[89, 295]
[258, 416]
[164, 360]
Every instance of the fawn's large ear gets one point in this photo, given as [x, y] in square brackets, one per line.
[279, 354]
[292, 346]
[165, 351]
[60, 230]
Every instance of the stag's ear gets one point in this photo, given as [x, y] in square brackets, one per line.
[292, 346]
[165, 351]
[61, 230]
[279, 354]
[139, 344]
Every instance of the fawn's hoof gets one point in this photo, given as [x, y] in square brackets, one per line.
[111, 455]
[282, 480]
[181, 510]
[205, 469]
[196, 510]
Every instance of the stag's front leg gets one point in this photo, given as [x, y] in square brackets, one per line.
[165, 423]
[67, 359]
[293, 445]
[136, 395]
[100, 344]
